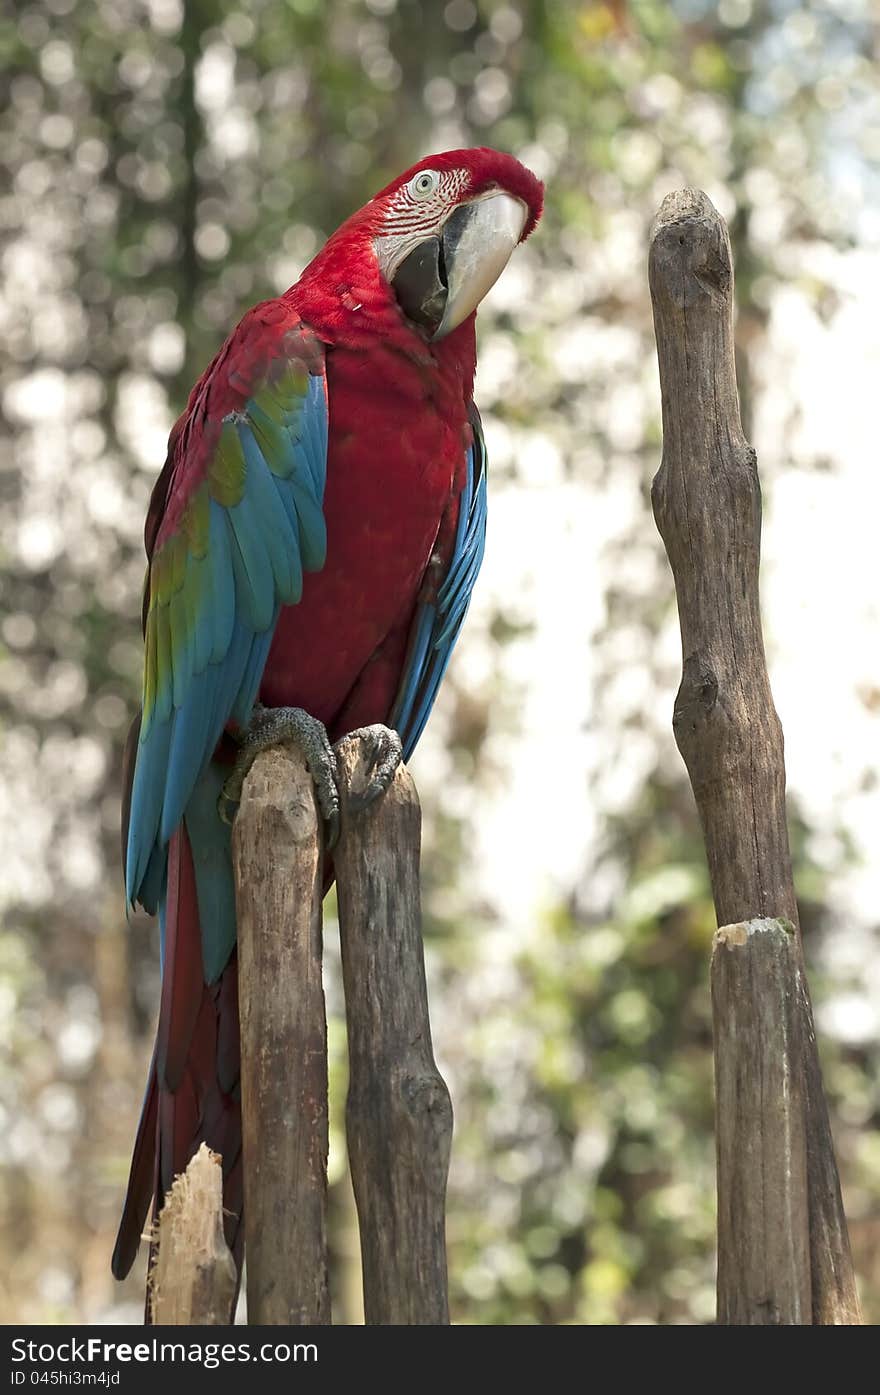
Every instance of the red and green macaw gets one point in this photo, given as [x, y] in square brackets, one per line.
[313, 540]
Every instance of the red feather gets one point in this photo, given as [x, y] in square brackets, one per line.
[183, 976]
[141, 1183]
[399, 432]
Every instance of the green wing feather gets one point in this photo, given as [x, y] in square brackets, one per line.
[248, 521]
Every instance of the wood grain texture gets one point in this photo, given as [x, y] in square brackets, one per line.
[707, 504]
[277, 860]
[398, 1113]
[193, 1281]
[761, 1132]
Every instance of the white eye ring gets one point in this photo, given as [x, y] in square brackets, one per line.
[424, 184]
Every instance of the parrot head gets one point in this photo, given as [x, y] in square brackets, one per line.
[432, 243]
[445, 230]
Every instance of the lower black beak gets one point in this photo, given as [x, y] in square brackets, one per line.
[421, 286]
[443, 280]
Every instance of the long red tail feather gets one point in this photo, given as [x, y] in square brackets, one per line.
[193, 1094]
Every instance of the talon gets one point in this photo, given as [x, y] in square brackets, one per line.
[289, 726]
[384, 752]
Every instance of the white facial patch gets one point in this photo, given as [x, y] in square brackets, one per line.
[418, 211]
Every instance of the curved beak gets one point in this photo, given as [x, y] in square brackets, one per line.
[443, 280]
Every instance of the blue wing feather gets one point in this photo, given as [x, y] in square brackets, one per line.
[438, 622]
[212, 636]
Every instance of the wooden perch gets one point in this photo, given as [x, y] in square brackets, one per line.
[192, 1281]
[398, 1114]
[277, 860]
[762, 1128]
[707, 503]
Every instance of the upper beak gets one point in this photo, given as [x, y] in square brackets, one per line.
[443, 280]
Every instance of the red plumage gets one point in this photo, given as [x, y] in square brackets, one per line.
[398, 435]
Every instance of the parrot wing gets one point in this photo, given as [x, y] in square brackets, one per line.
[440, 614]
[235, 519]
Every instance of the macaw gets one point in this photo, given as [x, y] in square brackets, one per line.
[312, 543]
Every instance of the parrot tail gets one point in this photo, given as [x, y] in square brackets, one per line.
[193, 1093]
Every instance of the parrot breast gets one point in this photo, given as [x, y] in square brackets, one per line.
[398, 436]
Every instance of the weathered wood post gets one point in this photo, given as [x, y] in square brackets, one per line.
[192, 1279]
[277, 858]
[783, 1248]
[398, 1114]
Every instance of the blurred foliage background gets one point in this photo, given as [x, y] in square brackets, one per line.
[167, 164]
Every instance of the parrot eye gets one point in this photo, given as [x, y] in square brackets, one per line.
[424, 184]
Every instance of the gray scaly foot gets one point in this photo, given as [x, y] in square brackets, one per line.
[289, 726]
[384, 752]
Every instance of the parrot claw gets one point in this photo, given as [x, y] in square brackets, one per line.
[384, 752]
[288, 726]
